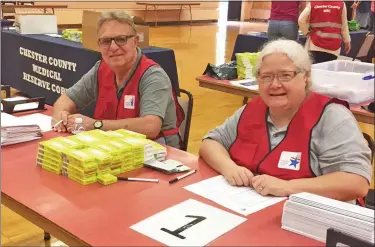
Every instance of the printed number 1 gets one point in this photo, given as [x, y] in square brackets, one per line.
[177, 232]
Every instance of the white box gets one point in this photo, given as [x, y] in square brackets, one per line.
[343, 79]
[36, 24]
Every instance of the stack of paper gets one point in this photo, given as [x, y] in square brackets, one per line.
[311, 215]
[13, 131]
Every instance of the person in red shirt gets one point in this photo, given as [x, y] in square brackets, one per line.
[326, 25]
[283, 21]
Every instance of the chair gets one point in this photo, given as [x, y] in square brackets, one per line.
[334, 237]
[187, 106]
[364, 50]
[370, 143]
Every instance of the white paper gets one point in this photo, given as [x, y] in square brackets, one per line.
[8, 120]
[42, 120]
[243, 200]
[53, 35]
[215, 223]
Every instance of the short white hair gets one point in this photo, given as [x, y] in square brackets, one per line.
[116, 15]
[295, 52]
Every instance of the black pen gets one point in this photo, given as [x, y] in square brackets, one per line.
[139, 179]
[181, 177]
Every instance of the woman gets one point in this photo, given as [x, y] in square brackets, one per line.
[326, 24]
[289, 139]
[283, 20]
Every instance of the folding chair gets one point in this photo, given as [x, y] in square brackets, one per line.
[334, 237]
[187, 106]
[364, 50]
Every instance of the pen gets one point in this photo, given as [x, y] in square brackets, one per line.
[139, 179]
[368, 77]
[181, 177]
[59, 122]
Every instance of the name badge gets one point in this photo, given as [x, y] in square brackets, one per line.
[129, 101]
[290, 160]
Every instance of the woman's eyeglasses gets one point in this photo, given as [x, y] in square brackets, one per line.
[282, 76]
[119, 40]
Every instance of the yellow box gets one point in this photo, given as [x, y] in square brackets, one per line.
[107, 179]
[83, 181]
[131, 133]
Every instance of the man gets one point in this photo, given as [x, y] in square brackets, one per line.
[329, 27]
[130, 91]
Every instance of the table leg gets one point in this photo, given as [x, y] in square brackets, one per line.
[245, 100]
[191, 15]
[53, 11]
[179, 16]
[156, 15]
[145, 16]
[47, 236]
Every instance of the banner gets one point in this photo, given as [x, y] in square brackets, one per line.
[40, 65]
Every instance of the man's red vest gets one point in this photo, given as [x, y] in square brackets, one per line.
[108, 107]
[326, 22]
[252, 147]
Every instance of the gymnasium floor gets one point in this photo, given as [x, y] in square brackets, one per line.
[194, 47]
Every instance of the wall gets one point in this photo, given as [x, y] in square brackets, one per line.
[73, 14]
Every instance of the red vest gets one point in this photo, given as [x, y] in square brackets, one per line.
[252, 147]
[108, 107]
[325, 21]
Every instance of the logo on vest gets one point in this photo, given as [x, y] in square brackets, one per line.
[129, 101]
[290, 160]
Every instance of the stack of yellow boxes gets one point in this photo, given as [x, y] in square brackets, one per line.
[50, 153]
[96, 156]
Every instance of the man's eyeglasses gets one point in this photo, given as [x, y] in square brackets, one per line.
[283, 76]
[119, 40]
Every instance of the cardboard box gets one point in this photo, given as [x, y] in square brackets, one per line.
[36, 24]
[89, 34]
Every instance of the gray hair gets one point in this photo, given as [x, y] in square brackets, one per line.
[295, 52]
[116, 15]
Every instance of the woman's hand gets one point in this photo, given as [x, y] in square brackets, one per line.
[238, 175]
[268, 185]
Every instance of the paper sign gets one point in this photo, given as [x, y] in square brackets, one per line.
[243, 200]
[190, 223]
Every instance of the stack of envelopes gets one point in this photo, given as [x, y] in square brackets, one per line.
[312, 215]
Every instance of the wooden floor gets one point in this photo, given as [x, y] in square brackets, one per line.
[194, 47]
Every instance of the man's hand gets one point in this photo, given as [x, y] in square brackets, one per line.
[238, 176]
[347, 47]
[88, 123]
[62, 126]
[268, 185]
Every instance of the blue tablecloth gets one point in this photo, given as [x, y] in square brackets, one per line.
[252, 43]
[26, 58]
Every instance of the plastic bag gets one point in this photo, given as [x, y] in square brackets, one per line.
[72, 35]
[246, 65]
[226, 71]
[353, 25]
